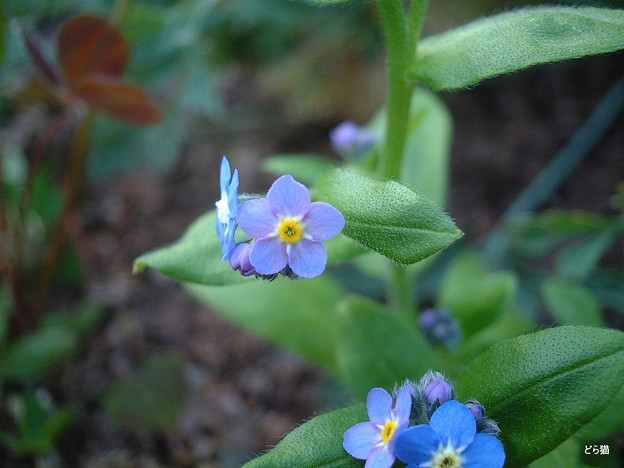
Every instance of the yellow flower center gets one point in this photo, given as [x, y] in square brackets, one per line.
[290, 230]
[388, 431]
[446, 458]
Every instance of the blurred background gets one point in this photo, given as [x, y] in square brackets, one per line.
[117, 370]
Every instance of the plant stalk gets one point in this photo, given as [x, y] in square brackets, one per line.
[78, 157]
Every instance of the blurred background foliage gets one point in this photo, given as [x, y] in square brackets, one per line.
[230, 64]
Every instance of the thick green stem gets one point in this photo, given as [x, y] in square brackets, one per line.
[401, 32]
[399, 91]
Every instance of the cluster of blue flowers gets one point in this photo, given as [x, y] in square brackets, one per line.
[285, 228]
[444, 433]
[441, 327]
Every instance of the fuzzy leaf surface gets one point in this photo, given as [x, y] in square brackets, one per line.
[543, 387]
[388, 217]
[514, 40]
[315, 444]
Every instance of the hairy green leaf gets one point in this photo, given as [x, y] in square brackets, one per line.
[195, 258]
[518, 39]
[315, 444]
[543, 387]
[297, 315]
[387, 217]
[377, 347]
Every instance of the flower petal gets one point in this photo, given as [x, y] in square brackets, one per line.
[268, 255]
[225, 175]
[379, 405]
[256, 219]
[380, 457]
[228, 239]
[323, 221]
[485, 451]
[288, 198]
[307, 258]
[361, 439]
[417, 444]
[233, 194]
[403, 405]
[454, 423]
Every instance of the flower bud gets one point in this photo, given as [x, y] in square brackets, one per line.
[438, 390]
[239, 259]
[476, 409]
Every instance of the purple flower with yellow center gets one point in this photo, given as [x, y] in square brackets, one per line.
[374, 440]
[289, 229]
[450, 440]
[227, 207]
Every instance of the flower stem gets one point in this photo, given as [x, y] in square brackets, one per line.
[402, 32]
[399, 88]
[75, 179]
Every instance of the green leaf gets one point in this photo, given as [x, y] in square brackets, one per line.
[427, 146]
[570, 303]
[387, 217]
[151, 398]
[297, 315]
[33, 355]
[518, 39]
[327, 2]
[543, 387]
[315, 444]
[564, 456]
[195, 258]
[607, 423]
[475, 297]
[306, 168]
[377, 347]
[581, 258]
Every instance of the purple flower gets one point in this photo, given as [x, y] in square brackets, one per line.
[449, 440]
[351, 140]
[226, 208]
[239, 259]
[374, 440]
[288, 229]
[439, 391]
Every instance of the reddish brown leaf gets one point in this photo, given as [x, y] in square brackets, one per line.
[88, 44]
[122, 100]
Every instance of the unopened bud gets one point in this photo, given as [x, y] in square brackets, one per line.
[438, 390]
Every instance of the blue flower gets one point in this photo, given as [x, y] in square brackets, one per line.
[289, 229]
[374, 440]
[227, 207]
[441, 327]
[351, 140]
[449, 441]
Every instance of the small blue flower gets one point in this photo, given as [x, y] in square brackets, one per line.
[288, 229]
[441, 327]
[227, 207]
[351, 140]
[374, 440]
[449, 441]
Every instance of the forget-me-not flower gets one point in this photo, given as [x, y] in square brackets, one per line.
[450, 440]
[289, 229]
[351, 140]
[374, 440]
[227, 207]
